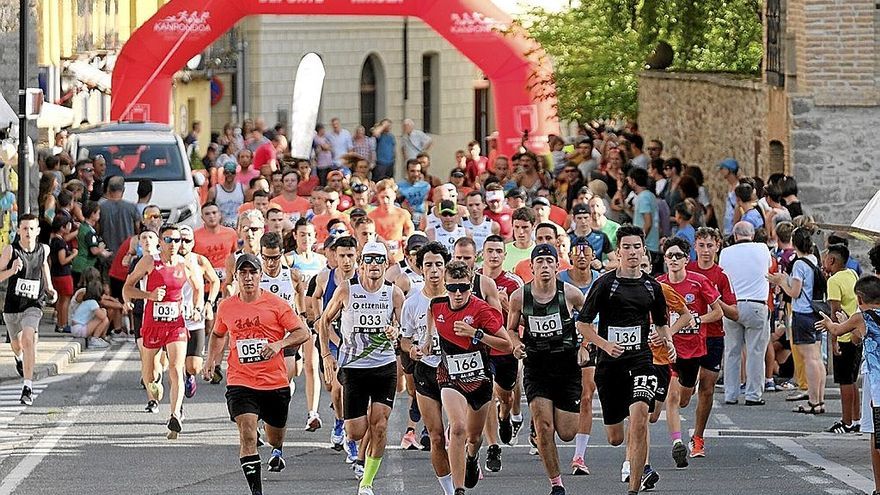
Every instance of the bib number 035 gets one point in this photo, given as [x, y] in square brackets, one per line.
[166, 311]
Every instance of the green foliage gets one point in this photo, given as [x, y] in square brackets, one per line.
[599, 46]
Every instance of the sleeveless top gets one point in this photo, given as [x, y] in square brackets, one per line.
[25, 288]
[479, 233]
[328, 294]
[280, 285]
[416, 281]
[228, 203]
[549, 328]
[186, 294]
[364, 318]
[308, 268]
[432, 220]
[166, 314]
[448, 238]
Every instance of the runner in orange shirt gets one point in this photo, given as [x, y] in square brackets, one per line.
[545, 233]
[260, 325]
[291, 203]
[393, 223]
[330, 199]
[214, 241]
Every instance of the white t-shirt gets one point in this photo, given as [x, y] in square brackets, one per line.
[747, 265]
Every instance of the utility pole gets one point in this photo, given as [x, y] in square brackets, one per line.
[23, 174]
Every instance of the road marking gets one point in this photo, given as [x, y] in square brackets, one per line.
[794, 468]
[756, 446]
[833, 469]
[816, 480]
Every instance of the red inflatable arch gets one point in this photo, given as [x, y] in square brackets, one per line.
[517, 67]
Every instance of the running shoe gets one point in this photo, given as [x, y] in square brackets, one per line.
[27, 397]
[839, 428]
[337, 436]
[409, 441]
[505, 430]
[493, 458]
[19, 366]
[557, 490]
[579, 467]
[351, 451]
[460, 491]
[425, 440]
[59, 329]
[697, 447]
[156, 390]
[679, 455]
[173, 428]
[365, 490]
[770, 386]
[533, 442]
[313, 422]
[189, 386]
[118, 337]
[517, 425]
[260, 433]
[649, 479]
[97, 343]
[472, 472]
[276, 462]
[218, 375]
[624, 472]
[152, 406]
[856, 428]
[358, 468]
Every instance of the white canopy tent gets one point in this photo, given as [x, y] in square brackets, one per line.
[865, 227]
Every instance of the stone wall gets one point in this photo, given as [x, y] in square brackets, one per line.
[703, 118]
[9, 56]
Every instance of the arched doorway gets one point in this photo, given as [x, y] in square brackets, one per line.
[372, 89]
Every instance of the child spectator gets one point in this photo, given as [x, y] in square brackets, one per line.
[89, 320]
[60, 257]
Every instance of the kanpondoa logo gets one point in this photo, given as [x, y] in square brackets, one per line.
[185, 21]
[474, 23]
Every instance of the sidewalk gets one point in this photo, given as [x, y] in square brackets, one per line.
[55, 351]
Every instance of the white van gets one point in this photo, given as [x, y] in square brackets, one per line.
[145, 151]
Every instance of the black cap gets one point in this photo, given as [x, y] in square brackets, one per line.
[357, 212]
[517, 193]
[581, 241]
[448, 206]
[544, 250]
[580, 209]
[248, 259]
[539, 201]
[415, 241]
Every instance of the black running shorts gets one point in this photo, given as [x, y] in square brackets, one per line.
[425, 378]
[195, 346]
[559, 383]
[269, 405]
[505, 369]
[622, 384]
[686, 370]
[363, 386]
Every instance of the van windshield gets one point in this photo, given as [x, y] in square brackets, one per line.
[156, 161]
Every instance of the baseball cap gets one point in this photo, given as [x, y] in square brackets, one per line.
[415, 241]
[360, 187]
[457, 173]
[580, 209]
[335, 173]
[544, 250]
[447, 206]
[581, 241]
[248, 260]
[730, 164]
[375, 248]
[357, 212]
[230, 166]
[517, 193]
[450, 187]
[539, 201]
[185, 228]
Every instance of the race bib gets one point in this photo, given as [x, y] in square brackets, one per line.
[435, 345]
[370, 323]
[627, 337]
[249, 350]
[27, 288]
[465, 366]
[221, 273]
[545, 327]
[166, 311]
[691, 330]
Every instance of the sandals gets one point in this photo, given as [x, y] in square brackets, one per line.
[811, 408]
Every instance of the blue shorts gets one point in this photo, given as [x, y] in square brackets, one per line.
[803, 330]
[714, 354]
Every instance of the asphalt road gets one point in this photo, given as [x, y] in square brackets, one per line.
[87, 433]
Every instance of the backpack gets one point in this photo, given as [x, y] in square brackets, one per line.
[820, 289]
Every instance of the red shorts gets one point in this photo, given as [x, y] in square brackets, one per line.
[158, 336]
[63, 285]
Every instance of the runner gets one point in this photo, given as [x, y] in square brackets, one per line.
[702, 298]
[163, 325]
[228, 195]
[250, 230]
[308, 264]
[626, 301]
[498, 211]
[444, 192]
[431, 259]
[483, 287]
[259, 325]
[393, 223]
[467, 327]
[708, 243]
[505, 367]
[582, 276]
[523, 230]
[407, 274]
[26, 263]
[213, 240]
[450, 229]
[195, 346]
[370, 309]
[477, 222]
[294, 206]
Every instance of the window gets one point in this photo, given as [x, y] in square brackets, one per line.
[774, 69]
[156, 161]
[777, 157]
[372, 92]
[431, 93]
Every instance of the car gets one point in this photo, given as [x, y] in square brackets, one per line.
[139, 150]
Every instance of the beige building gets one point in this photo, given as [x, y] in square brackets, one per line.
[376, 67]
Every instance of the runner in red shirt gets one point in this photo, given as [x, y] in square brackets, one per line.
[708, 243]
[163, 324]
[260, 326]
[499, 212]
[701, 298]
[466, 327]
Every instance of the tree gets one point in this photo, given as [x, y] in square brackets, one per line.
[600, 46]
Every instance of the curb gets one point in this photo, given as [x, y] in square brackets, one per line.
[57, 363]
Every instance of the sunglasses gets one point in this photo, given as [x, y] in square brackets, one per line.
[186, 241]
[447, 214]
[88, 170]
[581, 248]
[338, 231]
[374, 259]
[169, 240]
[152, 216]
[461, 288]
[272, 258]
[676, 256]
[254, 229]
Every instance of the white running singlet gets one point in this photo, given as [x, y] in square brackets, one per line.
[480, 232]
[281, 285]
[414, 326]
[364, 318]
[447, 238]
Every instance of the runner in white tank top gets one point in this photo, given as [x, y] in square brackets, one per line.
[229, 202]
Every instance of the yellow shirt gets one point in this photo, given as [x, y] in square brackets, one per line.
[841, 288]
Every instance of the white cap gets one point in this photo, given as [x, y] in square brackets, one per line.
[450, 187]
[375, 248]
[184, 228]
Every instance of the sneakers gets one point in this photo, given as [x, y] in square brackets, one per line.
[840, 428]
[152, 406]
[425, 440]
[856, 428]
[493, 458]
[517, 425]
[358, 469]
[218, 375]
[770, 386]
[557, 490]
[19, 366]
[27, 396]
[156, 390]
[697, 447]
[624, 472]
[173, 428]
[337, 436]
[97, 343]
[313, 422]
[409, 441]
[119, 337]
[351, 451]
[579, 467]
[505, 430]
[649, 479]
[679, 455]
[189, 386]
[472, 471]
[365, 490]
[276, 462]
[533, 442]
[260, 432]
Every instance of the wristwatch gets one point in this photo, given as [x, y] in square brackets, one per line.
[478, 335]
